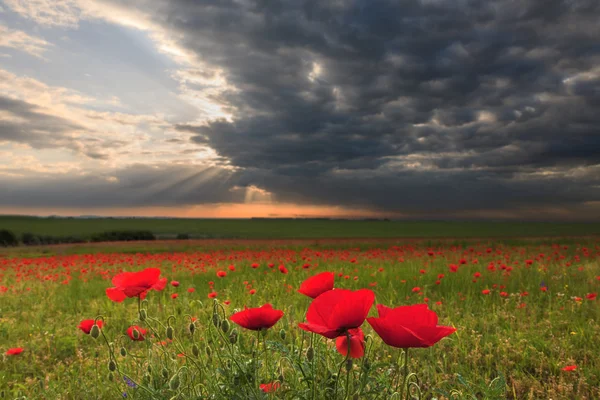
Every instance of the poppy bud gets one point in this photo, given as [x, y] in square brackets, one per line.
[225, 326]
[216, 320]
[149, 369]
[146, 378]
[165, 373]
[355, 397]
[170, 332]
[95, 331]
[143, 315]
[233, 338]
[174, 382]
[123, 351]
[208, 350]
[280, 377]
[395, 396]
[367, 364]
[195, 350]
[192, 328]
[135, 333]
[112, 366]
[349, 364]
[282, 334]
[310, 353]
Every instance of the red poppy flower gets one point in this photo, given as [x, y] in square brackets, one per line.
[174, 283]
[283, 269]
[174, 296]
[141, 333]
[409, 326]
[221, 274]
[270, 387]
[86, 325]
[14, 352]
[570, 368]
[135, 284]
[257, 318]
[318, 284]
[591, 296]
[191, 290]
[486, 291]
[334, 312]
[212, 295]
[357, 343]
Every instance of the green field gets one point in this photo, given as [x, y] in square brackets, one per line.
[290, 229]
[523, 311]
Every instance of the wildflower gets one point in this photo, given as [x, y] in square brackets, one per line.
[318, 284]
[357, 343]
[270, 387]
[174, 283]
[14, 351]
[257, 318]
[135, 284]
[86, 325]
[569, 368]
[409, 326]
[136, 333]
[334, 312]
[221, 274]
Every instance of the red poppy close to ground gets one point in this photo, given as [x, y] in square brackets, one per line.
[357, 343]
[270, 387]
[14, 351]
[570, 368]
[257, 318]
[135, 284]
[140, 335]
[409, 326]
[318, 284]
[86, 325]
[335, 312]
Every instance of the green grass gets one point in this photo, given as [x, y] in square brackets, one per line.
[501, 350]
[281, 229]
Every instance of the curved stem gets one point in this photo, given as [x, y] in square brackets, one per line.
[405, 375]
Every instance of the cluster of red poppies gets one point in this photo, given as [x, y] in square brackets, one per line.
[339, 313]
[333, 313]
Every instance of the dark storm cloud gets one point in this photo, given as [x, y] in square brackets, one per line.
[486, 92]
[415, 105]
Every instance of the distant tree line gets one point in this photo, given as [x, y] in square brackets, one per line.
[8, 238]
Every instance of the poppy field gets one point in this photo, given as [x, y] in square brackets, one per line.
[411, 320]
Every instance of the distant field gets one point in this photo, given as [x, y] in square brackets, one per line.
[290, 229]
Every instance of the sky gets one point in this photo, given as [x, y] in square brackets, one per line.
[433, 109]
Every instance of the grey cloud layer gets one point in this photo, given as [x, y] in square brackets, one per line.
[416, 105]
